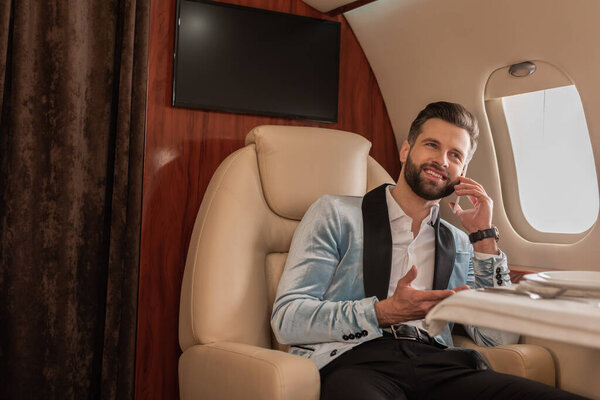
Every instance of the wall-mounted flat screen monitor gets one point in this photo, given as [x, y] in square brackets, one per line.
[246, 60]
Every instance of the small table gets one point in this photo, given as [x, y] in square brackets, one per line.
[562, 319]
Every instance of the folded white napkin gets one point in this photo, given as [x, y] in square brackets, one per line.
[556, 319]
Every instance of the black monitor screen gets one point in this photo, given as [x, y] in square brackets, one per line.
[247, 60]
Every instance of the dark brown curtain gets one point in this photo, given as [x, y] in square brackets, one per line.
[73, 93]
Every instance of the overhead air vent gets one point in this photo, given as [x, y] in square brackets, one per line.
[522, 70]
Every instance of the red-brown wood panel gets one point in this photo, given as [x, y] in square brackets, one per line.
[517, 273]
[183, 149]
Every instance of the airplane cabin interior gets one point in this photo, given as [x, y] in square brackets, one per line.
[157, 158]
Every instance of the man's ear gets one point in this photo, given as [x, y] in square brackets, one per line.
[404, 150]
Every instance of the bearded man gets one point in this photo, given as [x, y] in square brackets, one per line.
[362, 273]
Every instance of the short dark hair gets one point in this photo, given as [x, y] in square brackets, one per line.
[452, 113]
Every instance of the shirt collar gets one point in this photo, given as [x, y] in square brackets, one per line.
[396, 212]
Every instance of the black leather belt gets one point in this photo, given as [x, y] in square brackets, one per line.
[408, 332]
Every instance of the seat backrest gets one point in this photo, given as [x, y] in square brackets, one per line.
[246, 221]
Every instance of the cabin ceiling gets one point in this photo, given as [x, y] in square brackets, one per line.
[426, 50]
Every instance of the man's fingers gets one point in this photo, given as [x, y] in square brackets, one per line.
[458, 209]
[461, 288]
[474, 196]
[426, 306]
[410, 276]
[461, 190]
[473, 192]
[469, 181]
[432, 295]
[473, 200]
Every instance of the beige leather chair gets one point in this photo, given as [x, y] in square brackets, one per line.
[236, 255]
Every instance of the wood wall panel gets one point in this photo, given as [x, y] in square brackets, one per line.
[518, 272]
[183, 149]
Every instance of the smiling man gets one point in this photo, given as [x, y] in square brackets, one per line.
[362, 273]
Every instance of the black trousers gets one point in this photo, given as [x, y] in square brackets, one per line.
[386, 368]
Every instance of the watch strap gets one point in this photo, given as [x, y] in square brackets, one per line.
[484, 234]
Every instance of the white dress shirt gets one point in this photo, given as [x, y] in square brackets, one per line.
[408, 250]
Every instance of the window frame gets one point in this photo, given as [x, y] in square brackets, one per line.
[497, 87]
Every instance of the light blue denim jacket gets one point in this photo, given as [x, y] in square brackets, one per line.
[321, 296]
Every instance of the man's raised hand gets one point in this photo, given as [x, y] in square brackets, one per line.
[480, 216]
[408, 303]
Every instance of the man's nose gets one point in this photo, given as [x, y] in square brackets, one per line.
[442, 160]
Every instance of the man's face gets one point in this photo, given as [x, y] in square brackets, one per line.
[432, 165]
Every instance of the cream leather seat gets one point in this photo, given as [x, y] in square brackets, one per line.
[237, 252]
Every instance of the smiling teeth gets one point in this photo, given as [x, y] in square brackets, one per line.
[435, 174]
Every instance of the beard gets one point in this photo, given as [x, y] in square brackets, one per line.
[424, 188]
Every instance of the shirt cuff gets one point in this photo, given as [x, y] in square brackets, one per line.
[486, 256]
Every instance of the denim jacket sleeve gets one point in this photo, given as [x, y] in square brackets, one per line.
[492, 271]
[318, 299]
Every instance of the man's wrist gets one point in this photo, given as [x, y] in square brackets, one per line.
[381, 313]
[488, 246]
[478, 235]
[486, 256]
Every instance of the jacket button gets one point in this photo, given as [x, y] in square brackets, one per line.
[499, 282]
[350, 336]
[333, 353]
[358, 335]
[498, 276]
[498, 270]
[345, 337]
[365, 333]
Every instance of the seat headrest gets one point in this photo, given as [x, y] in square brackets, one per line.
[300, 164]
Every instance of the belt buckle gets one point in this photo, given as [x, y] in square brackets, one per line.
[398, 336]
[393, 329]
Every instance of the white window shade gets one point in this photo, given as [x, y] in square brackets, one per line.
[556, 175]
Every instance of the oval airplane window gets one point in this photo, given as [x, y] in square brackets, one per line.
[558, 187]
[548, 174]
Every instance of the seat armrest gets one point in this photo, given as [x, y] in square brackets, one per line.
[230, 371]
[525, 360]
